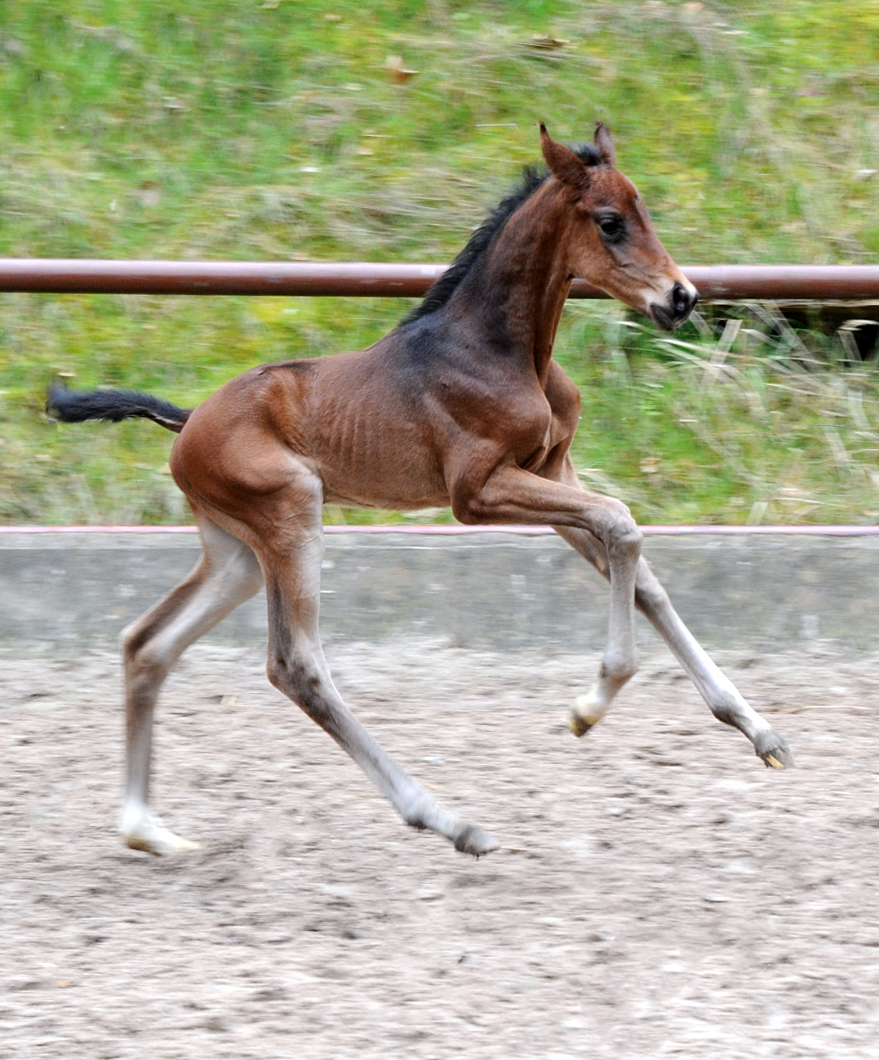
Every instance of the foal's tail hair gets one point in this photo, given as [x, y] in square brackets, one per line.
[76, 406]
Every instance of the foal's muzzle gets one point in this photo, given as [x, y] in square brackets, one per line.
[676, 310]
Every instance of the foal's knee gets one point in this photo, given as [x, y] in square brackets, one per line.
[621, 533]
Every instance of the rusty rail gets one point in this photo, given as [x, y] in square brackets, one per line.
[84, 276]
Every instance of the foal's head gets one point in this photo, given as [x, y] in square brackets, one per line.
[615, 246]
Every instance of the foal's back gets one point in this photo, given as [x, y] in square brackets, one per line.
[364, 423]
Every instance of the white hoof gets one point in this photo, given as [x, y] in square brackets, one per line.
[588, 711]
[149, 834]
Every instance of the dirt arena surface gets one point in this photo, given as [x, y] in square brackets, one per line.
[658, 892]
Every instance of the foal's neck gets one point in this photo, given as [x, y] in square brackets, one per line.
[518, 291]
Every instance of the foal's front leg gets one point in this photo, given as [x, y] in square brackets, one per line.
[512, 495]
[724, 700]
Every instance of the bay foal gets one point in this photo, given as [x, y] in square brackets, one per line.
[460, 405]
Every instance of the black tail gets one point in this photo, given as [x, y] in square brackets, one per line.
[75, 406]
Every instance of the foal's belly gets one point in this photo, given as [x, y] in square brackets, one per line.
[388, 490]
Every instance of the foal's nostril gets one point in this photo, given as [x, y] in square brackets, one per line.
[681, 300]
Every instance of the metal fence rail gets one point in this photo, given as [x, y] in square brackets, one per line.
[372, 279]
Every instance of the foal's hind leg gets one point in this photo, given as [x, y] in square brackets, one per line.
[723, 698]
[226, 575]
[297, 667]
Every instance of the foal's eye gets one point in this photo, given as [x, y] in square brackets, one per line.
[611, 227]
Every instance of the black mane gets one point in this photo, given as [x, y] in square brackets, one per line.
[532, 178]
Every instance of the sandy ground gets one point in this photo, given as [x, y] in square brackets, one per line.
[658, 893]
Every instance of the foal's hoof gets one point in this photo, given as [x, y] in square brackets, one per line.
[579, 725]
[588, 711]
[153, 837]
[775, 752]
[476, 842]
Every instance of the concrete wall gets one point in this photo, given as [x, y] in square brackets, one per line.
[480, 590]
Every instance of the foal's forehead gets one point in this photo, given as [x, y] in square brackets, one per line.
[615, 189]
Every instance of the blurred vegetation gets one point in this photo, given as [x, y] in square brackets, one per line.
[383, 131]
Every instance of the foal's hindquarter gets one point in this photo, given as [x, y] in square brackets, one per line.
[461, 405]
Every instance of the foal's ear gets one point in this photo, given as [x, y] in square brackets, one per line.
[563, 163]
[604, 143]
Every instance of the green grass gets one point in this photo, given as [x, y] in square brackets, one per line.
[274, 130]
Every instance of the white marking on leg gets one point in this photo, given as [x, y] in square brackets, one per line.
[620, 660]
[142, 830]
[720, 694]
[227, 574]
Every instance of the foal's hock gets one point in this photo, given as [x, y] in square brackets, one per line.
[460, 405]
